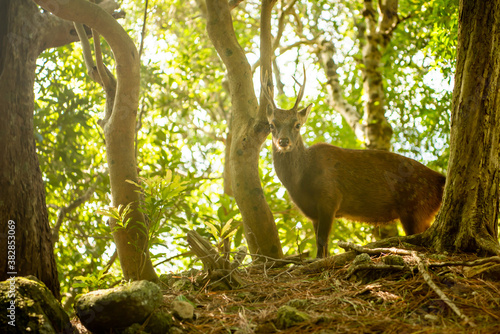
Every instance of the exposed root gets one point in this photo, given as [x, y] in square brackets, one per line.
[421, 269]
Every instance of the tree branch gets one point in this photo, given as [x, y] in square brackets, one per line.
[72, 206]
[266, 56]
[61, 31]
[335, 96]
[124, 50]
[221, 32]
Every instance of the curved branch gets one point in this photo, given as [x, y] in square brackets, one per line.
[61, 31]
[221, 32]
[124, 50]
[266, 56]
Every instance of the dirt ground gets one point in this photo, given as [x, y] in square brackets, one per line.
[323, 299]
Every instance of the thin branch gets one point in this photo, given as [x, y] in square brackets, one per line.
[493, 259]
[423, 270]
[281, 23]
[72, 206]
[110, 262]
[143, 32]
[394, 26]
[210, 134]
[373, 251]
[281, 27]
[108, 80]
[266, 57]
[87, 51]
[185, 254]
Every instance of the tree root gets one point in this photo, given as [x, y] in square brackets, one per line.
[421, 269]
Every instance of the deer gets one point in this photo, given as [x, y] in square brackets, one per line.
[327, 182]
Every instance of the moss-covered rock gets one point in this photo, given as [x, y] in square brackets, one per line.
[118, 308]
[34, 308]
[289, 316]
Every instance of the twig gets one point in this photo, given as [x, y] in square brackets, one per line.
[495, 259]
[373, 251]
[72, 206]
[188, 253]
[422, 269]
[143, 32]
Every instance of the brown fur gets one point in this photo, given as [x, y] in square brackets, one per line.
[328, 182]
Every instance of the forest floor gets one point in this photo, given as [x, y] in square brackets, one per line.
[339, 301]
[320, 297]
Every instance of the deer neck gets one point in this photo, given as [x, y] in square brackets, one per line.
[290, 166]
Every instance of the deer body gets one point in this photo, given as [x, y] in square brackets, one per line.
[327, 182]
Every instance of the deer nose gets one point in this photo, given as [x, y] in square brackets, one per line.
[283, 142]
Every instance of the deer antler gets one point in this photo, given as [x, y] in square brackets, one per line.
[267, 88]
[301, 91]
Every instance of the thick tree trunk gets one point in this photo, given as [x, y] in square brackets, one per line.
[249, 130]
[22, 195]
[468, 220]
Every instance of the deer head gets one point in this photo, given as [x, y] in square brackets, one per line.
[285, 124]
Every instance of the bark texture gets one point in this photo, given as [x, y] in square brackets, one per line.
[468, 220]
[22, 198]
[119, 131]
[249, 131]
[335, 91]
[378, 129]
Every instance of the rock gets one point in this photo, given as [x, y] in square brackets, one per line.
[175, 330]
[116, 309]
[35, 309]
[183, 284]
[182, 310]
[289, 316]
[157, 323]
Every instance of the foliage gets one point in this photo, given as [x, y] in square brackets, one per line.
[96, 281]
[160, 203]
[184, 118]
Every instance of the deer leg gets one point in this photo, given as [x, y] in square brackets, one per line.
[322, 229]
[414, 225]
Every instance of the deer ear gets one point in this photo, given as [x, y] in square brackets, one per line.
[304, 113]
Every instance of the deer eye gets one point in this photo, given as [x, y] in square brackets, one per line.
[297, 126]
[271, 126]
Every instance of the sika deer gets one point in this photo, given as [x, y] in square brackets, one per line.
[328, 182]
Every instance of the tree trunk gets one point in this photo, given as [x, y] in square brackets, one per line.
[468, 220]
[119, 131]
[22, 193]
[249, 131]
[378, 130]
